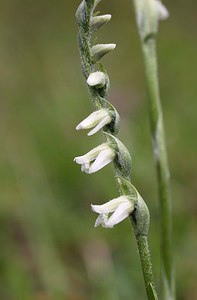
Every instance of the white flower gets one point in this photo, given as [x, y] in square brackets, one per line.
[120, 208]
[96, 159]
[97, 119]
[97, 79]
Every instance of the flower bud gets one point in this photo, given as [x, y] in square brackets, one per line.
[98, 21]
[98, 51]
[97, 79]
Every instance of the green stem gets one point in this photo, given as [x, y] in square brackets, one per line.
[145, 259]
[160, 154]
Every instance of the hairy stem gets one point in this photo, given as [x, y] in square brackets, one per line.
[145, 259]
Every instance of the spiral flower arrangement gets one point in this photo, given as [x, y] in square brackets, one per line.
[105, 118]
[129, 203]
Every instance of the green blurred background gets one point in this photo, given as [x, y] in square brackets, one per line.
[49, 249]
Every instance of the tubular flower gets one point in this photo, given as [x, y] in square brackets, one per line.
[97, 119]
[96, 159]
[120, 208]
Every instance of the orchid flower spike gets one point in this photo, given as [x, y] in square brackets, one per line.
[98, 119]
[120, 208]
[96, 159]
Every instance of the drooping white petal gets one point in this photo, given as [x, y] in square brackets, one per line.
[104, 158]
[109, 206]
[100, 125]
[121, 213]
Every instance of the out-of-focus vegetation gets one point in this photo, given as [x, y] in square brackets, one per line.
[49, 248]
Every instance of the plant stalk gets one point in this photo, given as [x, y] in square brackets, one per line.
[146, 264]
[161, 160]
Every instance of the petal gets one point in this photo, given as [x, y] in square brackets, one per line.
[110, 206]
[81, 159]
[93, 119]
[91, 155]
[104, 158]
[121, 213]
[104, 122]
